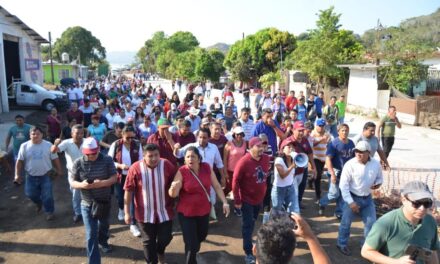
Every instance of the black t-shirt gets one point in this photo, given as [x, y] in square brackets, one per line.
[101, 169]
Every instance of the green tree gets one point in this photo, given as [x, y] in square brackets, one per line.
[327, 46]
[182, 41]
[209, 64]
[268, 79]
[79, 42]
[259, 53]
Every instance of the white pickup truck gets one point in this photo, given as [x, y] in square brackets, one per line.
[32, 94]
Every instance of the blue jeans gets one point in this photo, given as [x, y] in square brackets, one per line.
[119, 189]
[285, 196]
[302, 185]
[249, 216]
[97, 233]
[334, 130]
[76, 198]
[247, 101]
[39, 190]
[333, 194]
[367, 211]
[341, 120]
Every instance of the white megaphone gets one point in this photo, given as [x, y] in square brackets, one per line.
[300, 159]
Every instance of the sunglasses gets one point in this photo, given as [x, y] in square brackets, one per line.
[427, 203]
[264, 143]
[131, 137]
[240, 134]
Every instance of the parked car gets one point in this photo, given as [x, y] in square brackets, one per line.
[32, 94]
[68, 82]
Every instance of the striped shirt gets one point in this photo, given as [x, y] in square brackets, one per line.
[320, 149]
[102, 168]
[150, 187]
[247, 126]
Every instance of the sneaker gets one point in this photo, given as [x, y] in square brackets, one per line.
[49, 217]
[339, 217]
[237, 212]
[135, 230]
[321, 210]
[106, 248]
[249, 259]
[212, 214]
[344, 250]
[121, 215]
[77, 218]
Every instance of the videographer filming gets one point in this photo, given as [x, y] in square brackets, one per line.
[392, 236]
[276, 241]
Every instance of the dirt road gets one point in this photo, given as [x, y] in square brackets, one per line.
[26, 237]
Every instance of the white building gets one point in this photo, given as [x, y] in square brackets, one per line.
[363, 92]
[20, 56]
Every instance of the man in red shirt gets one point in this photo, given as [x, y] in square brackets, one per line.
[291, 101]
[148, 180]
[164, 140]
[75, 113]
[249, 187]
[301, 145]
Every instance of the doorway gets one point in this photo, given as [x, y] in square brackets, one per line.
[12, 59]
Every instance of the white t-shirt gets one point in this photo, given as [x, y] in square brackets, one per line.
[287, 181]
[110, 120]
[79, 93]
[118, 118]
[37, 157]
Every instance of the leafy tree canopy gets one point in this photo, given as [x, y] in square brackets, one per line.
[326, 46]
[79, 42]
[259, 53]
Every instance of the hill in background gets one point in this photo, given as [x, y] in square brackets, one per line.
[223, 47]
[424, 30]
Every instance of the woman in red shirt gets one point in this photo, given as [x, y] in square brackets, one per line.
[53, 125]
[192, 183]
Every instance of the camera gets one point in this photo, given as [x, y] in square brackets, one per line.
[284, 216]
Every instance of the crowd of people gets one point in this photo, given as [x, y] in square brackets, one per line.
[125, 138]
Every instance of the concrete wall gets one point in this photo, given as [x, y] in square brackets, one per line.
[28, 50]
[362, 88]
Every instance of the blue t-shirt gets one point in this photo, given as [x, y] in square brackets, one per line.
[261, 127]
[97, 132]
[318, 104]
[340, 152]
[19, 135]
[302, 112]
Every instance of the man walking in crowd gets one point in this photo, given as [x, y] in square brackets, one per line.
[359, 176]
[331, 113]
[246, 123]
[339, 151]
[125, 152]
[149, 178]
[341, 104]
[249, 187]
[368, 135]
[386, 129]
[164, 140]
[72, 149]
[93, 174]
[269, 127]
[409, 225]
[35, 158]
[19, 134]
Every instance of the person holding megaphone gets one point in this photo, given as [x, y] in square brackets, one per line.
[301, 146]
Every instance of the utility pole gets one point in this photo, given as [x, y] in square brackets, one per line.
[51, 59]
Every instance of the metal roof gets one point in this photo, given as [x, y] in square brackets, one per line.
[17, 22]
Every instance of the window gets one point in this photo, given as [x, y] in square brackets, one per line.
[63, 73]
[26, 89]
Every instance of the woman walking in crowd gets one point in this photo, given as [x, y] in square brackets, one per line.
[234, 150]
[191, 184]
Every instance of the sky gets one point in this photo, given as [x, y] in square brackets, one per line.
[126, 25]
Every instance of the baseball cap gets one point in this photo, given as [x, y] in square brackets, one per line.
[285, 143]
[237, 130]
[90, 146]
[416, 190]
[255, 141]
[363, 146]
[163, 123]
[320, 122]
[298, 125]
[205, 121]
